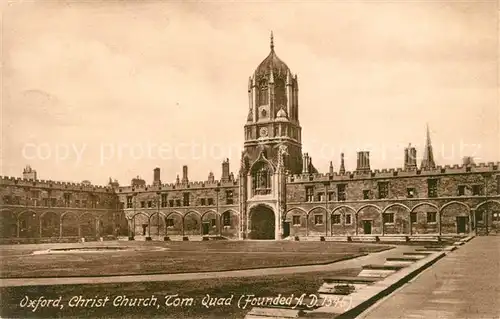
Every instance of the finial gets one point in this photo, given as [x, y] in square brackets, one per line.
[272, 41]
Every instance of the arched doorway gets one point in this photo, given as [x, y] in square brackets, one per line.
[262, 223]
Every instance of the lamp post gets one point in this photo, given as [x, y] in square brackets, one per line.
[158, 215]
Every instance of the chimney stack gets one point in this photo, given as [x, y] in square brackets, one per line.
[185, 179]
[156, 176]
[211, 177]
[342, 165]
[331, 168]
[410, 158]
[225, 170]
[363, 161]
[306, 163]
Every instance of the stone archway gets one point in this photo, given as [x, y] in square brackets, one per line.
[262, 223]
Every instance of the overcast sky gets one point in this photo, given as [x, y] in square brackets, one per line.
[92, 90]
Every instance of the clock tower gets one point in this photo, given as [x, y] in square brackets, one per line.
[273, 114]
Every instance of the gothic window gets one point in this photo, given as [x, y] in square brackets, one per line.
[383, 190]
[129, 201]
[432, 188]
[279, 92]
[431, 217]
[296, 220]
[261, 178]
[163, 200]
[263, 93]
[226, 219]
[335, 219]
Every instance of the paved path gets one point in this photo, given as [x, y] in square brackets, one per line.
[464, 284]
[372, 258]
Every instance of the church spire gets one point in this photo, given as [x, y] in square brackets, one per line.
[342, 166]
[272, 41]
[428, 159]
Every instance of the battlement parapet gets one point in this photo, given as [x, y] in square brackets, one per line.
[178, 186]
[57, 185]
[396, 172]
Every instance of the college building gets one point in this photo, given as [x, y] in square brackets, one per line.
[277, 193]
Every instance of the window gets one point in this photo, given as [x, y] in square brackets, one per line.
[84, 203]
[496, 216]
[389, 218]
[431, 217]
[296, 220]
[348, 219]
[45, 201]
[366, 194]
[143, 204]
[321, 197]
[171, 203]
[383, 190]
[213, 222]
[129, 201]
[226, 219]
[410, 192]
[413, 218]
[477, 190]
[67, 198]
[164, 200]
[210, 201]
[35, 194]
[432, 187]
[341, 192]
[461, 190]
[335, 219]
[177, 202]
[185, 199]
[331, 196]
[122, 205]
[150, 204]
[53, 202]
[309, 194]
[229, 197]
[77, 203]
[318, 219]
[170, 222]
[202, 202]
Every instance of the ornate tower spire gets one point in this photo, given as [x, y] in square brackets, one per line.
[428, 159]
[342, 167]
[272, 41]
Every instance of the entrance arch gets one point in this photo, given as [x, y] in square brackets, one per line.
[262, 222]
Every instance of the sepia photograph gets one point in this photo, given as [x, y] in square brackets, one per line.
[250, 159]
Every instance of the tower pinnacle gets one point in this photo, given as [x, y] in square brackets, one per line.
[428, 159]
[272, 41]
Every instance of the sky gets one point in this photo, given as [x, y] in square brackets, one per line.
[92, 90]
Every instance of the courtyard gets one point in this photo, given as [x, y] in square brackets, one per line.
[135, 258]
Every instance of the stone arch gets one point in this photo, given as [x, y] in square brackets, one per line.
[423, 204]
[297, 221]
[50, 224]
[262, 222]
[455, 218]
[87, 224]
[317, 221]
[487, 217]
[8, 223]
[156, 222]
[192, 223]
[211, 223]
[29, 225]
[369, 220]
[343, 220]
[396, 204]
[107, 223]
[174, 222]
[421, 216]
[398, 219]
[70, 224]
[229, 221]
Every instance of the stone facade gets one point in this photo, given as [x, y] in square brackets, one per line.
[276, 194]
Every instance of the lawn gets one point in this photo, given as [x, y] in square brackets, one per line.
[265, 286]
[17, 261]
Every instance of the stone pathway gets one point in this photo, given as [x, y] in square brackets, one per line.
[464, 284]
[372, 258]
